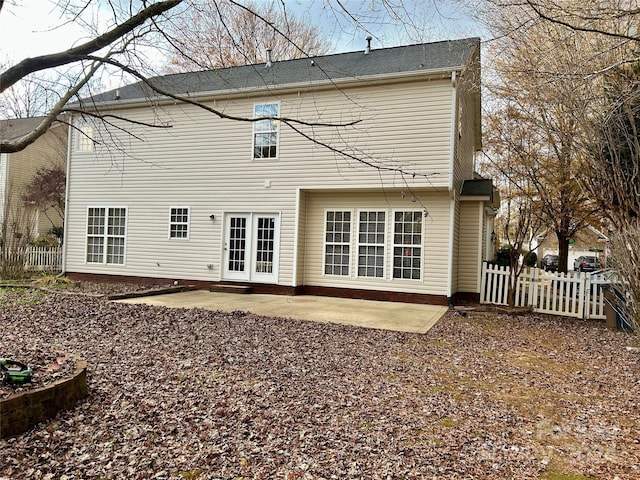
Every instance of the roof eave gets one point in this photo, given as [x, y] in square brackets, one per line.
[440, 73]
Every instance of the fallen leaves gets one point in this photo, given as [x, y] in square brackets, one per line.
[180, 394]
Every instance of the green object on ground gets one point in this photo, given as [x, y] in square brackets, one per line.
[12, 371]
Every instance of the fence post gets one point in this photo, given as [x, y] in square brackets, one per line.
[483, 283]
[584, 283]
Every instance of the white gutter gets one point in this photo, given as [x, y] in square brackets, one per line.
[452, 193]
[65, 223]
[482, 244]
[296, 232]
[4, 170]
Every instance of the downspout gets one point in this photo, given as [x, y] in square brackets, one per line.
[4, 163]
[452, 206]
[65, 222]
[482, 243]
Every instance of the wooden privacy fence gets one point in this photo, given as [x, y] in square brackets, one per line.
[571, 294]
[37, 259]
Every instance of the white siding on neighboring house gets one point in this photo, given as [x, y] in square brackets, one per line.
[206, 164]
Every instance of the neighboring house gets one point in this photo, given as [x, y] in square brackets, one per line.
[589, 242]
[21, 220]
[213, 200]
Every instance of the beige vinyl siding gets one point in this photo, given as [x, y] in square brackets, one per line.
[470, 245]
[464, 136]
[206, 163]
[48, 151]
[302, 237]
[435, 246]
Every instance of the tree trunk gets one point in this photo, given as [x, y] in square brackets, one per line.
[563, 252]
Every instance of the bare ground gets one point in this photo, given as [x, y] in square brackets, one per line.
[186, 394]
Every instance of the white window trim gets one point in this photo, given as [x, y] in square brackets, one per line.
[85, 134]
[188, 209]
[324, 243]
[105, 235]
[385, 249]
[393, 244]
[253, 132]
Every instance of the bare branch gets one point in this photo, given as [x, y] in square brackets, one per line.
[75, 54]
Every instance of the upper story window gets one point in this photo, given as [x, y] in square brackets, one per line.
[84, 137]
[179, 222]
[265, 132]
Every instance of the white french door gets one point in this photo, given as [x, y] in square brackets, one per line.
[251, 247]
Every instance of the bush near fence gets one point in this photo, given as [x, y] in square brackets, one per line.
[37, 259]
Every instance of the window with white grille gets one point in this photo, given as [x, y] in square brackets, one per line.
[106, 235]
[179, 222]
[85, 138]
[265, 131]
[337, 243]
[407, 245]
[371, 241]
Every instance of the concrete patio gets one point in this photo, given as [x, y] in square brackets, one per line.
[403, 317]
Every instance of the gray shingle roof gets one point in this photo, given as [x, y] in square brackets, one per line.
[479, 186]
[18, 127]
[439, 56]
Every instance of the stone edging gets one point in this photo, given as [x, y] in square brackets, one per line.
[21, 412]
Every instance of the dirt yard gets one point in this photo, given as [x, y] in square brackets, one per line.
[194, 394]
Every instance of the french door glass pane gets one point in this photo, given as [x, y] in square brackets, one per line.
[237, 243]
[265, 244]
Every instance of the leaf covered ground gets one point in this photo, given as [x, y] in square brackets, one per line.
[186, 394]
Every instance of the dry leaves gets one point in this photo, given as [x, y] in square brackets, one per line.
[185, 394]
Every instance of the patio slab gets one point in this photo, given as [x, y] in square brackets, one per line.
[402, 317]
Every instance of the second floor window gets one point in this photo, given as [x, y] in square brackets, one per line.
[85, 136]
[265, 132]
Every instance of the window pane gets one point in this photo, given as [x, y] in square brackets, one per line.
[106, 228]
[337, 246]
[265, 132]
[371, 240]
[179, 222]
[407, 249]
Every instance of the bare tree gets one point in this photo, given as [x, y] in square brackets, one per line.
[90, 57]
[546, 81]
[16, 230]
[46, 190]
[604, 40]
[226, 34]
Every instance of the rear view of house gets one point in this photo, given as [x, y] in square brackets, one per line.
[348, 174]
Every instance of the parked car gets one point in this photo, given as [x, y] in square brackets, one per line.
[586, 263]
[549, 263]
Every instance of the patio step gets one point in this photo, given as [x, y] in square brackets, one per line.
[230, 289]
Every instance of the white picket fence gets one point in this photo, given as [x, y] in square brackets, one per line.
[569, 294]
[38, 259]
